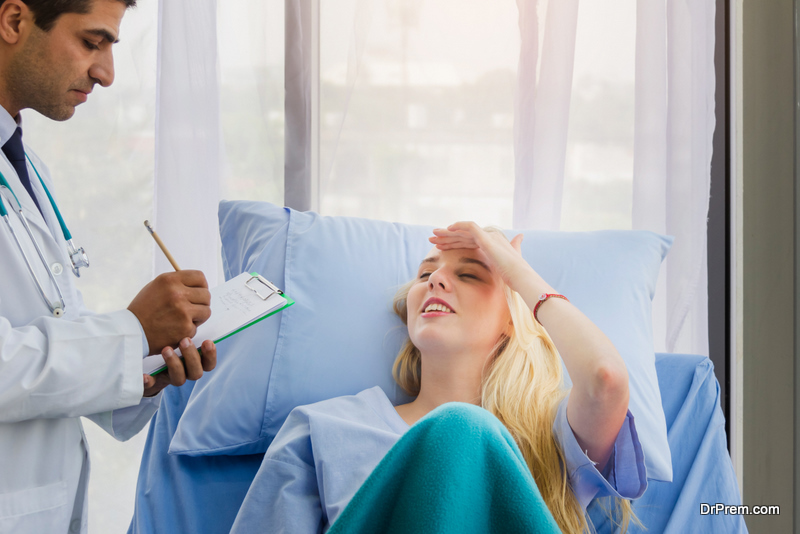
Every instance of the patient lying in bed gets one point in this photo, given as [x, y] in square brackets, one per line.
[483, 330]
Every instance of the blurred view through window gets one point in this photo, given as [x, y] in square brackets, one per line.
[426, 134]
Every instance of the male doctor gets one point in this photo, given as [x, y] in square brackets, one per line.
[54, 366]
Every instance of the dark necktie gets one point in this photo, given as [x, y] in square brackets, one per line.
[16, 155]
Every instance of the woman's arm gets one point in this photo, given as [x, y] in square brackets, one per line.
[599, 400]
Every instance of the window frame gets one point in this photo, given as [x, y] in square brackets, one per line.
[719, 221]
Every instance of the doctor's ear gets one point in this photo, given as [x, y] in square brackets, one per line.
[14, 16]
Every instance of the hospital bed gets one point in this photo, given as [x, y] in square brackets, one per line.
[206, 442]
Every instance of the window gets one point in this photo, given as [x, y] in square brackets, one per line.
[425, 134]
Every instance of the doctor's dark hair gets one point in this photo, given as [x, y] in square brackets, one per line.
[46, 12]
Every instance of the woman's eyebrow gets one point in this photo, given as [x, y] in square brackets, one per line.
[432, 259]
[466, 259]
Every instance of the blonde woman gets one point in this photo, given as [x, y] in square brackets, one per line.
[484, 329]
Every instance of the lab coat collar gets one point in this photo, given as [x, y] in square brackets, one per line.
[48, 228]
[32, 213]
[7, 125]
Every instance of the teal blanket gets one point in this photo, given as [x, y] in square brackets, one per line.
[457, 470]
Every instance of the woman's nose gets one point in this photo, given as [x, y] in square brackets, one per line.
[438, 279]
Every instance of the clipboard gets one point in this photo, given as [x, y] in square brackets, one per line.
[236, 305]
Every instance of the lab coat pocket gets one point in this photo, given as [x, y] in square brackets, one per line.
[41, 509]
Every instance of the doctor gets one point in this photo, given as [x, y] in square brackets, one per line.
[58, 361]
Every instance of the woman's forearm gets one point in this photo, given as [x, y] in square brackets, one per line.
[599, 399]
[585, 349]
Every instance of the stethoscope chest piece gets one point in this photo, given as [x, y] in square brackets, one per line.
[78, 257]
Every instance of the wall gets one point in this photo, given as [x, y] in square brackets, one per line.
[767, 241]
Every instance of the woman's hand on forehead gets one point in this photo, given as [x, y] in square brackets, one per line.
[504, 257]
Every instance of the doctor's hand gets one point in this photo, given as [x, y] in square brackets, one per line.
[171, 307]
[178, 371]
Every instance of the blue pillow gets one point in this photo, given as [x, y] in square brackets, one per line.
[341, 336]
[226, 407]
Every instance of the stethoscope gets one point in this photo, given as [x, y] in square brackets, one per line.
[77, 255]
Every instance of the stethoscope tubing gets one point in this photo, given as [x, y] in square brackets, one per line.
[55, 309]
[64, 229]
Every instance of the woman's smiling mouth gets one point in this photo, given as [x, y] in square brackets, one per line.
[435, 307]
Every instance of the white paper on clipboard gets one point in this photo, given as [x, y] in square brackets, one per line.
[235, 305]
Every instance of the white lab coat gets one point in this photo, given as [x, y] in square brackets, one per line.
[52, 371]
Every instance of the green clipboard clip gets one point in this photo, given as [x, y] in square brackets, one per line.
[264, 289]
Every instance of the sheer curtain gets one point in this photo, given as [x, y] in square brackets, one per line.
[673, 97]
[542, 110]
[188, 135]
[675, 122]
[219, 120]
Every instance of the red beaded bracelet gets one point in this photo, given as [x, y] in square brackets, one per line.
[542, 298]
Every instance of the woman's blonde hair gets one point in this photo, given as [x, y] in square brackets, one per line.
[522, 386]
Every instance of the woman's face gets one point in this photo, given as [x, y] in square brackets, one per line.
[457, 303]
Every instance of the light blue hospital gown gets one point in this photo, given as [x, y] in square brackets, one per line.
[325, 451]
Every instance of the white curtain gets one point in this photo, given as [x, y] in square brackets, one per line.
[542, 112]
[673, 127]
[188, 171]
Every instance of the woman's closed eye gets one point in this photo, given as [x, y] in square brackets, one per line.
[471, 276]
